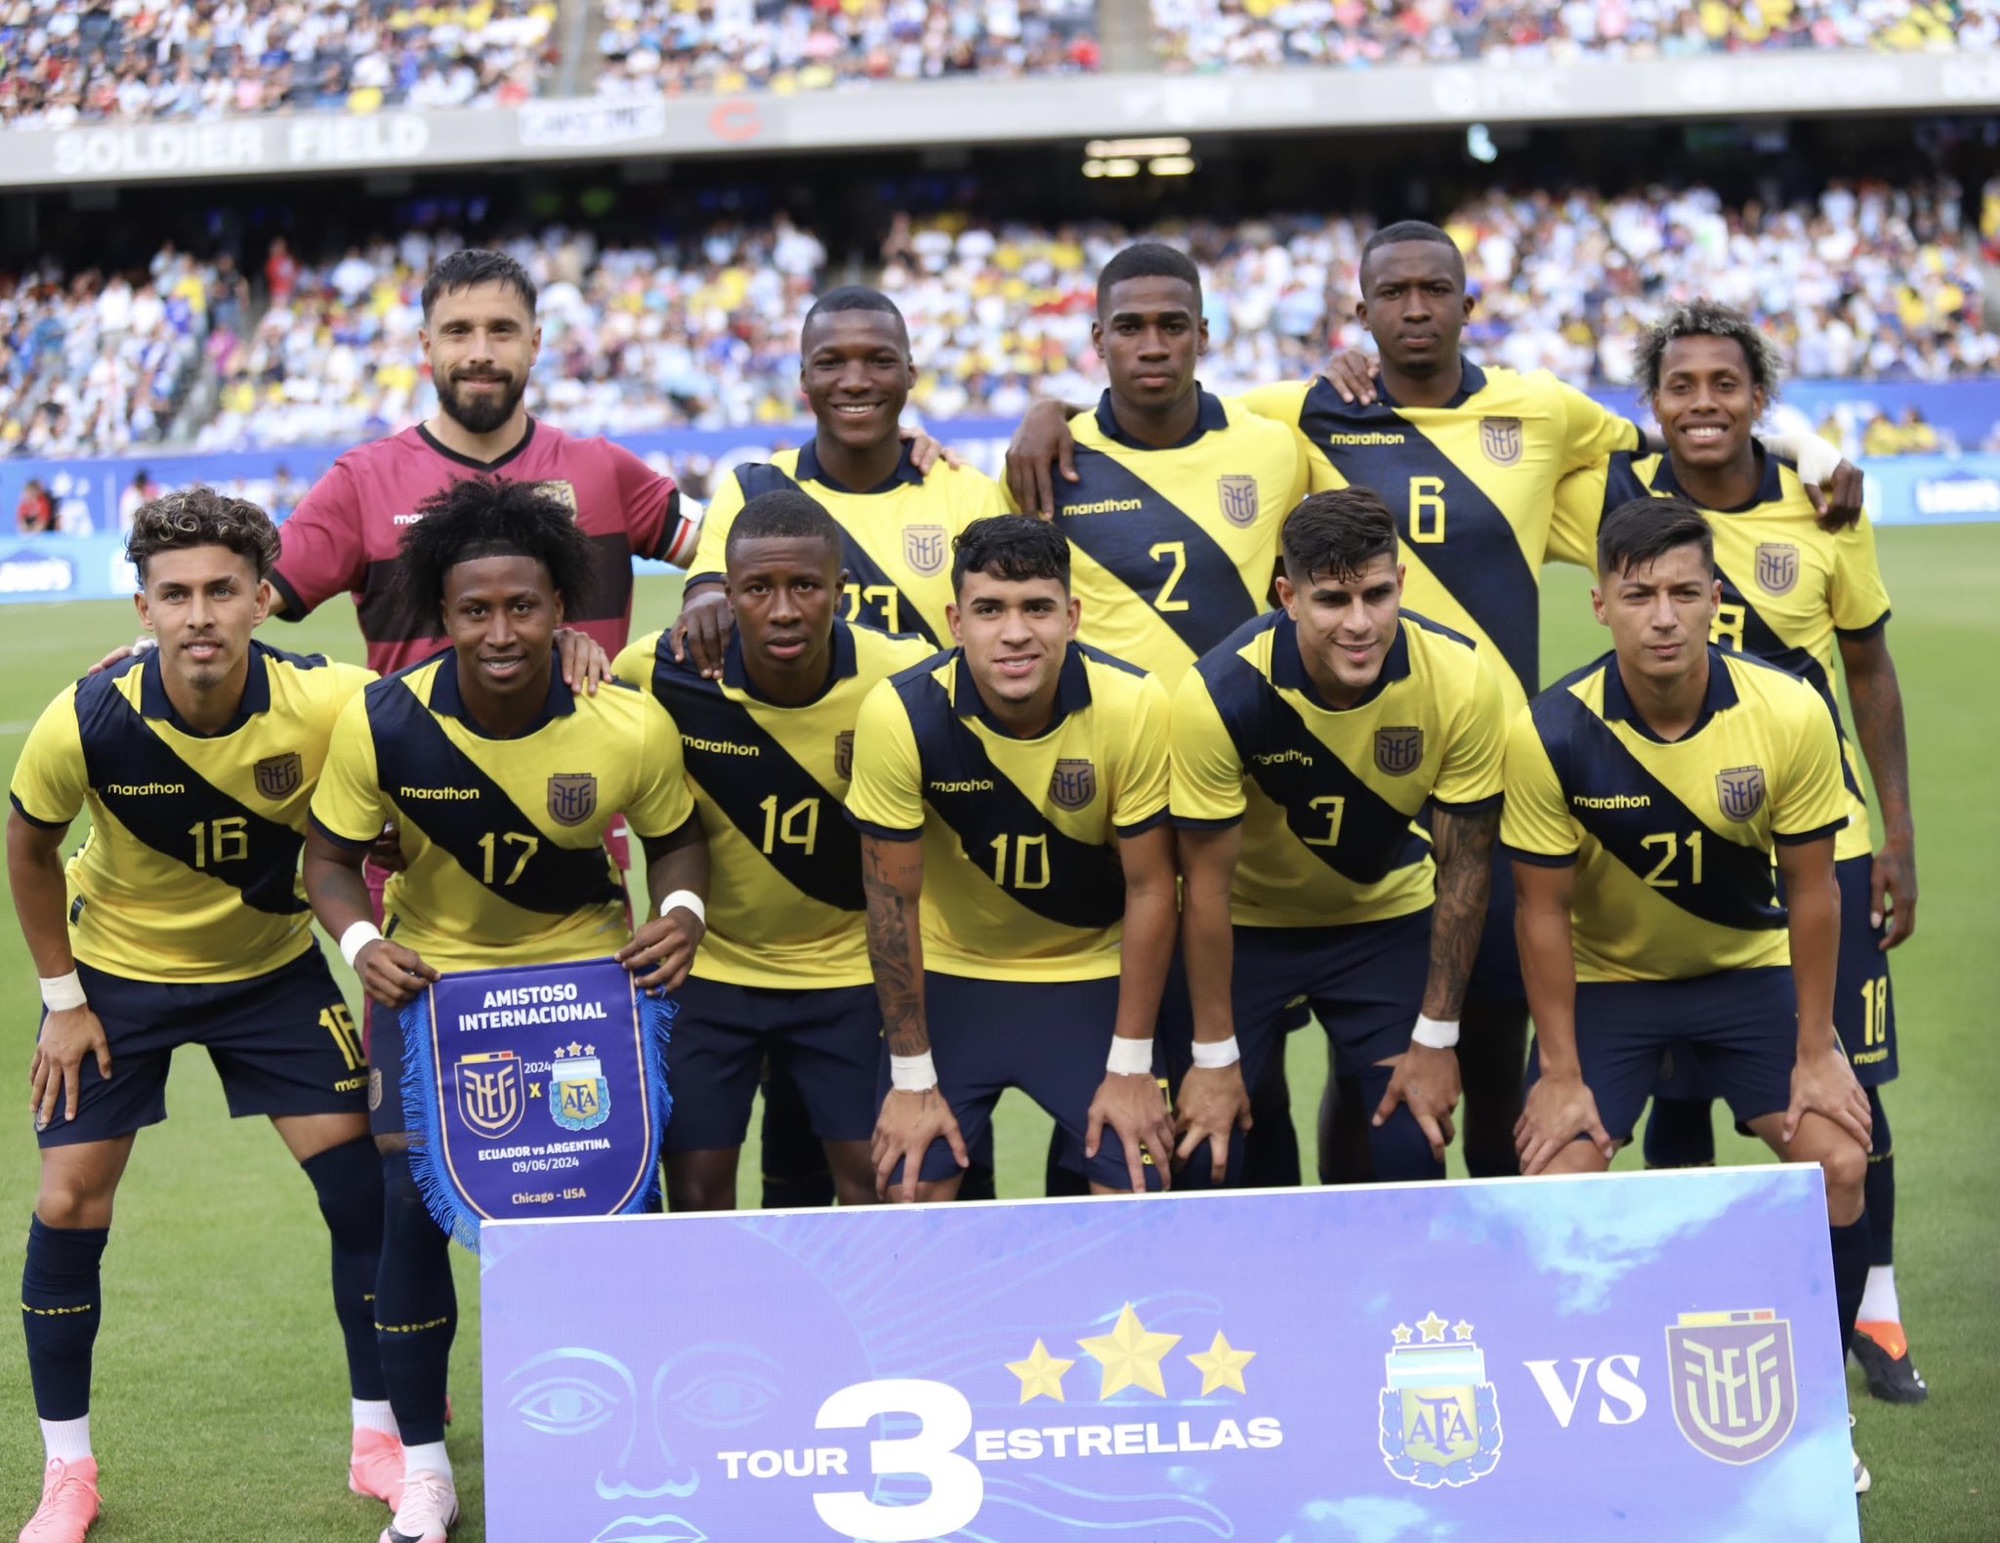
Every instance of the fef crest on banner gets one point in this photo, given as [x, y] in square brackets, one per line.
[538, 1090]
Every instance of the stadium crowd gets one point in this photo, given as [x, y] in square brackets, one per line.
[1865, 281]
[659, 46]
[1221, 35]
[80, 61]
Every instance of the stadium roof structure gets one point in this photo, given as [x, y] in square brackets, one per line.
[962, 112]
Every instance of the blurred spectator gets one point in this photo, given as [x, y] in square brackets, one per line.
[76, 61]
[673, 47]
[1228, 35]
[1906, 434]
[35, 514]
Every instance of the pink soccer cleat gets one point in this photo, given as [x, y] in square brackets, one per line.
[376, 1467]
[70, 1503]
[427, 1511]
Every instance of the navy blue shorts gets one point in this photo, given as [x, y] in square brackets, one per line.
[1047, 1038]
[282, 1043]
[1738, 1030]
[1864, 1010]
[831, 1038]
[1496, 971]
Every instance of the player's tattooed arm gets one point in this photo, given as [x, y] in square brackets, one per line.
[390, 973]
[68, 1035]
[1560, 1105]
[664, 946]
[892, 879]
[1878, 723]
[911, 1118]
[1427, 1078]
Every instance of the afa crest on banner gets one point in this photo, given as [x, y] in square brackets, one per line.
[539, 1090]
[1440, 1416]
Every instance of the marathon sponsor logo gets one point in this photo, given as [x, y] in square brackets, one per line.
[1106, 506]
[966, 785]
[34, 573]
[1282, 756]
[412, 518]
[145, 789]
[438, 795]
[719, 746]
[1371, 437]
[1613, 801]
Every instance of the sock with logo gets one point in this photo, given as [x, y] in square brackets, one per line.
[348, 1181]
[60, 1303]
[416, 1306]
[1850, 1273]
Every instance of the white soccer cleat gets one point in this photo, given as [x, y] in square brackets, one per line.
[1863, 1479]
[428, 1512]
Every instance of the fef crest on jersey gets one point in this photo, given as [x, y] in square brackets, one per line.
[925, 548]
[1777, 567]
[1399, 751]
[1074, 784]
[279, 776]
[843, 754]
[1500, 438]
[1740, 790]
[572, 797]
[1238, 498]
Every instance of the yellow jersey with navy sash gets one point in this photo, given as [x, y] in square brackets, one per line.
[502, 839]
[1327, 796]
[1790, 590]
[191, 869]
[898, 536]
[1473, 486]
[1173, 549]
[785, 905]
[1022, 878]
[1673, 842]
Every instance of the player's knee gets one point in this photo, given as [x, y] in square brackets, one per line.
[1845, 1166]
[701, 1181]
[67, 1205]
[347, 1179]
[397, 1142]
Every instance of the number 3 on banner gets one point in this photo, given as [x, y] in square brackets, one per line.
[957, 1489]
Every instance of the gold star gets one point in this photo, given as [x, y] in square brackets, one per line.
[1041, 1374]
[1403, 1332]
[590, 1050]
[1221, 1366]
[1461, 1330]
[1130, 1356]
[534, 1090]
[575, 1049]
[1433, 1328]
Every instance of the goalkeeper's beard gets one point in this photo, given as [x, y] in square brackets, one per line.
[481, 415]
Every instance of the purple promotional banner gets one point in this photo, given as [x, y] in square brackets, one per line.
[537, 1090]
[1640, 1355]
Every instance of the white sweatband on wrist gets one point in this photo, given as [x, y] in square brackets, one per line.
[1213, 1057]
[356, 938]
[1130, 1057]
[912, 1073]
[1435, 1034]
[685, 900]
[62, 992]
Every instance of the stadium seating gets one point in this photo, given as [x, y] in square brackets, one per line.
[73, 61]
[1261, 34]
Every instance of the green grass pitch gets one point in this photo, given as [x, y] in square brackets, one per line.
[221, 1400]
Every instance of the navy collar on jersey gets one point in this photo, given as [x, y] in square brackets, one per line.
[1210, 416]
[1770, 483]
[445, 699]
[495, 464]
[1288, 666]
[1072, 693]
[737, 678]
[155, 703]
[1618, 706]
[905, 474]
[1471, 381]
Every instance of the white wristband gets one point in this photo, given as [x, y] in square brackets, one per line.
[1214, 1057]
[62, 992]
[1434, 1034]
[1130, 1057]
[356, 938]
[912, 1073]
[685, 900]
